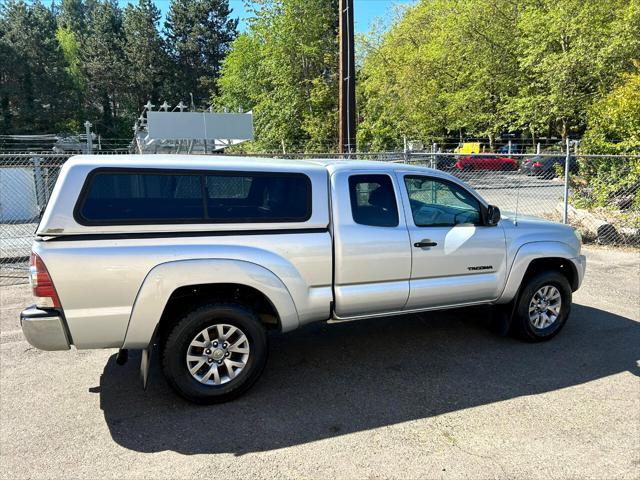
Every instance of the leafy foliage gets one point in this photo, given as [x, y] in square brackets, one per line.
[32, 76]
[90, 60]
[444, 68]
[481, 67]
[614, 127]
[198, 33]
[284, 68]
[145, 56]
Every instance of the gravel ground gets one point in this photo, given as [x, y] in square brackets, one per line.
[433, 396]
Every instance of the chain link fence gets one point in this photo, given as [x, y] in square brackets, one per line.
[600, 196]
[26, 182]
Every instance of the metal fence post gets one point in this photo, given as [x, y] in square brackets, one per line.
[538, 149]
[509, 147]
[41, 193]
[405, 151]
[435, 156]
[565, 217]
[87, 127]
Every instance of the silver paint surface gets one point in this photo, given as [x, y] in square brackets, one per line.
[113, 291]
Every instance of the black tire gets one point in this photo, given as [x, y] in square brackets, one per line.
[522, 326]
[174, 351]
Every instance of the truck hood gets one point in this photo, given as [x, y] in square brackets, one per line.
[525, 229]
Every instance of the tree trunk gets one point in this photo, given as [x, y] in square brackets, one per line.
[533, 136]
[6, 115]
[107, 116]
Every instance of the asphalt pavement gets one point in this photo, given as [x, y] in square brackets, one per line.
[429, 396]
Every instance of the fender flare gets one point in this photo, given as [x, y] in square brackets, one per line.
[164, 279]
[527, 253]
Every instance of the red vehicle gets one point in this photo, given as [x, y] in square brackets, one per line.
[486, 162]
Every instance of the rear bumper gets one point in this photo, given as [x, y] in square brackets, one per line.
[44, 329]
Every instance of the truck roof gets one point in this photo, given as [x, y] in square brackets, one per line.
[196, 162]
[59, 217]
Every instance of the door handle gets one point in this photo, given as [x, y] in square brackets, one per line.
[425, 243]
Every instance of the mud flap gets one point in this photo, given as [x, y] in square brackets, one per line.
[502, 317]
[500, 320]
[145, 359]
[145, 362]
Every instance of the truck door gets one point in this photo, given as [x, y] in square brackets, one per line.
[457, 259]
[371, 244]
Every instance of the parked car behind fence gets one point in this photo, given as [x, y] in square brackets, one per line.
[486, 162]
[547, 167]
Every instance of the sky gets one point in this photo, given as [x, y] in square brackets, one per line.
[366, 11]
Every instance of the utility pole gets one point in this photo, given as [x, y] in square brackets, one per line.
[347, 96]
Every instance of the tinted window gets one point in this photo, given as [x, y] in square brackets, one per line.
[130, 197]
[228, 186]
[145, 197]
[373, 201]
[258, 198]
[438, 203]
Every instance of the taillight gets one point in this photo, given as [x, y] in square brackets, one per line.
[537, 164]
[41, 284]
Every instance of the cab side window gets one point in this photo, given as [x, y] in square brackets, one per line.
[439, 203]
[373, 200]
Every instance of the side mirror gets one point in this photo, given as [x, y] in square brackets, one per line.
[493, 215]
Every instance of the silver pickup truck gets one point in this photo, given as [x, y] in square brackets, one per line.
[200, 256]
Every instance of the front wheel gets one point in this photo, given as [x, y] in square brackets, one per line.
[215, 353]
[543, 307]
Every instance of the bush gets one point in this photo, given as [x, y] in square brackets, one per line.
[613, 128]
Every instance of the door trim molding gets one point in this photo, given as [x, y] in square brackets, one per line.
[337, 319]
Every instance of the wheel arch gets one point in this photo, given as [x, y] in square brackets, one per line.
[561, 265]
[172, 284]
[534, 257]
[192, 296]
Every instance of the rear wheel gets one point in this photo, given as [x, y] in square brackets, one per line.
[215, 353]
[543, 307]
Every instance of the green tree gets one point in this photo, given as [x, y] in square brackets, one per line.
[199, 34]
[614, 119]
[76, 82]
[9, 88]
[614, 128]
[482, 67]
[447, 67]
[73, 15]
[145, 56]
[284, 68]
[104, 64]
[570, 51]
[33, 78]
